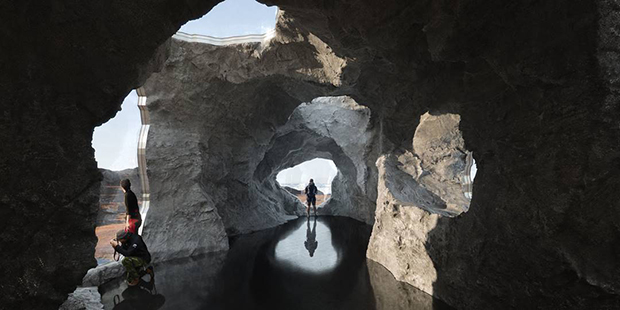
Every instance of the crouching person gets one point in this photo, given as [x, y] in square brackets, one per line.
[137, 256]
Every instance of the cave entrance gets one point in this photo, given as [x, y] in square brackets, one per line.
[115, 144]
[295, 179]
[233, 18]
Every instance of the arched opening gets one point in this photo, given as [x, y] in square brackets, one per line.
[295, 179]
[116, 145]
[233, 18]
[116, 141]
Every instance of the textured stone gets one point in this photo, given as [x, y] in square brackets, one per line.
[431, 175]
[213, 116]
[66, 66]
[336, 128]
[534, 82]
[103, 273]
[83, 298]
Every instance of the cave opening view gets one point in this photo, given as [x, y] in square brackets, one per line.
[116, 148]
[159, 155]
[295, 179]
[287, 255]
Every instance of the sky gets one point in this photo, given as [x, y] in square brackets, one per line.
[116, 142]
[234, 18]
[321, 170]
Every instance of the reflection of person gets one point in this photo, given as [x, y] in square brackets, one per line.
[311, 243]
[137, 256]
[133, 219]
[142, 296]
[310, 192]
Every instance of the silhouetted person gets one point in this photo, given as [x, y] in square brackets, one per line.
[133, 219]
[311, 244]
[137, 256]
[310, 192]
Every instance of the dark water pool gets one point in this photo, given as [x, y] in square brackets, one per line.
[304, 264]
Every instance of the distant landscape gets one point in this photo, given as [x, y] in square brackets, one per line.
[320, 197]
[323, 187]
[111, 216]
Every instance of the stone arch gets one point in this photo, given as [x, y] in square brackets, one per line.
[336, 128]
[214, 111]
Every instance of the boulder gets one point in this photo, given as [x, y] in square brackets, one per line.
[83, 298]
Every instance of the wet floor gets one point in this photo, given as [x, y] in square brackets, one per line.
[304, 264]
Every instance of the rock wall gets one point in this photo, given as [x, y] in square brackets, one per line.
[214, 111]
[336, 128]
[537, 128]
[66, 66]
[227, 130]
[416, 189]
[535, 85]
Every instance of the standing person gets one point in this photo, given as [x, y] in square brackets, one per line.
[311, 191]
[137, 256]
[133, 219]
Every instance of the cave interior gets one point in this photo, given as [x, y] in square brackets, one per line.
[403, 96]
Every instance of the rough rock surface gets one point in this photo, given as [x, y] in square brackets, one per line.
[213, 115]
[415, 189]
[541, 225]
[431, 175]
[66, 66]
[87, 297]
[103, 273]
[535, 83]
[336, 128]
[83, 298]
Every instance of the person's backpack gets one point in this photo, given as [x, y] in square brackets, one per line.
[312, 189]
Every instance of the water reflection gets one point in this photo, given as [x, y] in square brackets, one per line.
[300, 249]
[299, 265]
[142, 296]
[311, 244]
